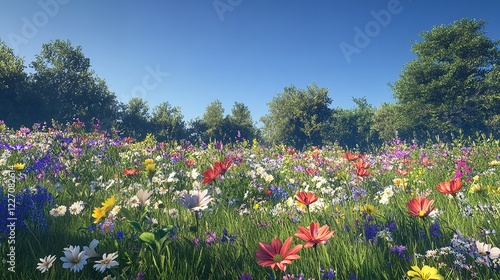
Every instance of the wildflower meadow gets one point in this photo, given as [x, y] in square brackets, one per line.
[98, 205]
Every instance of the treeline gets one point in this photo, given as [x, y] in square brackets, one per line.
[451, 89]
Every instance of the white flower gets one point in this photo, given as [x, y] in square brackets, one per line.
[90, 251]
[171, 177]
[143, 196]
[108, 261]
[194, 174]
[46, 263]
[162, 190]
[115, 211]
[74, 259]
[54, 212]
[384, 199]
[196, 200]
[62, 210]
[134, 201]
[174, 214]
[486, 250]
[76, 208]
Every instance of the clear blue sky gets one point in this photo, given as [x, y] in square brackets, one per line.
[238, 50]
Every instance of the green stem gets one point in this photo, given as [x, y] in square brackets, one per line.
[317, 260]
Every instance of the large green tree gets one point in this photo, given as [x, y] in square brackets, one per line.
[13, 89]
[240, 120]
[135, 119]
[213, 119]
[297, 117]
[448, 88]
[168, 122]
[67, 87]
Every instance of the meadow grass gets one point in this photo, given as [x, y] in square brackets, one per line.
[253, 201]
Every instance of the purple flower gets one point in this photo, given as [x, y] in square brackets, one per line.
[399, 250]
[246, 276]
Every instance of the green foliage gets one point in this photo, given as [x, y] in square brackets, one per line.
[297, 117]
[135, 120]
[213, 118]
[66, 86]
[13, 87]
[168, 122]
[450, 85]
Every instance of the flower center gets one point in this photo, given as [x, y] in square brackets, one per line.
[278, 258]
[421, 213]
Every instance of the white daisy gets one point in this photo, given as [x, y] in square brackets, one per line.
[54, 212]
[74, 259]
[62, 210]
[486, 250]
[134, 201]
[76, 208]
[115, 211]
[46, 263]
[108, 261]
[174, 214]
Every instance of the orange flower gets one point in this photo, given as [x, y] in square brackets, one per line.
[350, 156]
[362, 164]
[306, 198]
[450, 187]
[277, 254]
[420, 206]
[224, 165]
[312, 171]
[361, 172]
[130, 172]
[315, 234]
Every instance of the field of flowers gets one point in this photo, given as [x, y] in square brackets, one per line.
[93, 205]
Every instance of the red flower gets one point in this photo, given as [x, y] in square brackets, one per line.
[306, 198]
[420, 206]
[224, 165]
[312, 171]
[315, 234]
[451, 187]
[130, 172]
[362, 164]
[277, 254]
[210, 175]
[219, 168]
[350, 156]
[190, 162]
[268, 192]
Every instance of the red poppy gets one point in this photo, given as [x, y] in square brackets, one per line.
[277, 254]
[291, 151]
[420, 206]
[315, 234]
[268, 192]
[306, 198]
[450, 187]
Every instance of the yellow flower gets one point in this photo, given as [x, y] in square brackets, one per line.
[149, 161]
[18, 166]
[109, 203]
[370, 209]
[256, 206]
[426, 273]
[151, 167]
[475, 188]
[494, 162]
[99, 213]
[400, 182]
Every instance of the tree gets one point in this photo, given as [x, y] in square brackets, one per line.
[353, 127]
[444, 90]
[297, 117]
[67, 88]
[386, 121]
[213, 118]
[240, 120]
[168, 122]
[135, 120]
[13, 87]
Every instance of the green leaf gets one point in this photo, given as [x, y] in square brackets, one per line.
[136, 225]
[148, 237]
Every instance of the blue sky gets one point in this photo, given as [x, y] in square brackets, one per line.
[191, 53]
